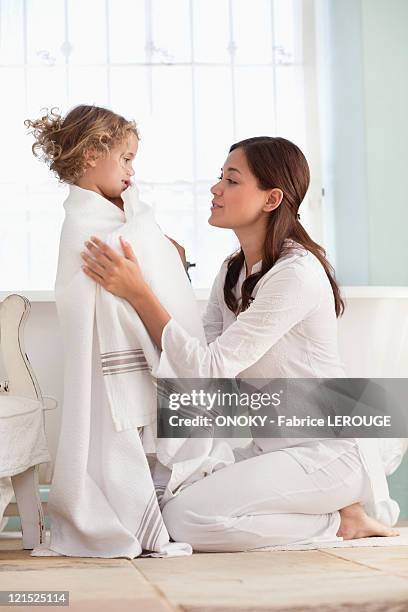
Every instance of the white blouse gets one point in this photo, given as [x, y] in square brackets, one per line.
[288, 331]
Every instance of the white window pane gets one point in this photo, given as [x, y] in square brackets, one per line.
[171, 31]
[174, 210]
[168, 197]
[36, 172]
[45, 219]
[87, 85]
[174, 207]
[13, 249]
[211, 31]
[14, 158]
[252, 31]
[12, 99]
[127, 28]
[45, 31]
[290, 104]
[130, 92]
[11, 32]
[213, 119]
[12, 124]
[287, 31]
[87, 31]
[29, 236]
[46, 88]
[166, 153]
[255, 114]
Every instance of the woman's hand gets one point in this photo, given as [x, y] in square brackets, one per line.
[120, 275]
[181, 251]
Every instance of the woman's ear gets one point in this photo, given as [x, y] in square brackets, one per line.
[274, 200]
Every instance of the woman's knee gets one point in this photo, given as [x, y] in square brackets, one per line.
[177, 521]
[186, 525]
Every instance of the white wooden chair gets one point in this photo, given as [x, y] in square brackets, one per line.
[23, 444]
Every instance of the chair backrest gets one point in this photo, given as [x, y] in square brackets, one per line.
[21, 380]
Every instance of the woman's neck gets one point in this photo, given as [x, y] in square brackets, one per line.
[252, 246]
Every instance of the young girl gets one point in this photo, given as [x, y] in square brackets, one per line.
[103, 499]
[91, 147]
[271, 313]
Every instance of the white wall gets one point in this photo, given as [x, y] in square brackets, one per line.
[363, 84]
[385, 57]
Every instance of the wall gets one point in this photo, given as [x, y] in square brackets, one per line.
[363, 63]
[385, 59]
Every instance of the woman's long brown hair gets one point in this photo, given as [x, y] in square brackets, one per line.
[277, 163]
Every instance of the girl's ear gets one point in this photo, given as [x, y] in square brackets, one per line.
[90, 157]
[274, 200]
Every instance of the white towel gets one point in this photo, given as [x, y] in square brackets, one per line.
[103, 500]
[373, 541]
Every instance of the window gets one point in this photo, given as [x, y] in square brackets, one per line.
[196, 75]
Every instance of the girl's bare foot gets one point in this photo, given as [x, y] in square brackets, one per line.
[355, 523]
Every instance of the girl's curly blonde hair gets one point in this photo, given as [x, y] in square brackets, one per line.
[63, 141]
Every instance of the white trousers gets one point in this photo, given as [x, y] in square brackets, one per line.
[266, 500]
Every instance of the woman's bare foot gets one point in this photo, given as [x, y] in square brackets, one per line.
[355, 523]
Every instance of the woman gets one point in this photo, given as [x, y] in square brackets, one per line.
[272, 313]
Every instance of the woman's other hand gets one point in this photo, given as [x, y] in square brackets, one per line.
[120, 275]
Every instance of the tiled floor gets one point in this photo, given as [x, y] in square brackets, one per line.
[360, 579]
